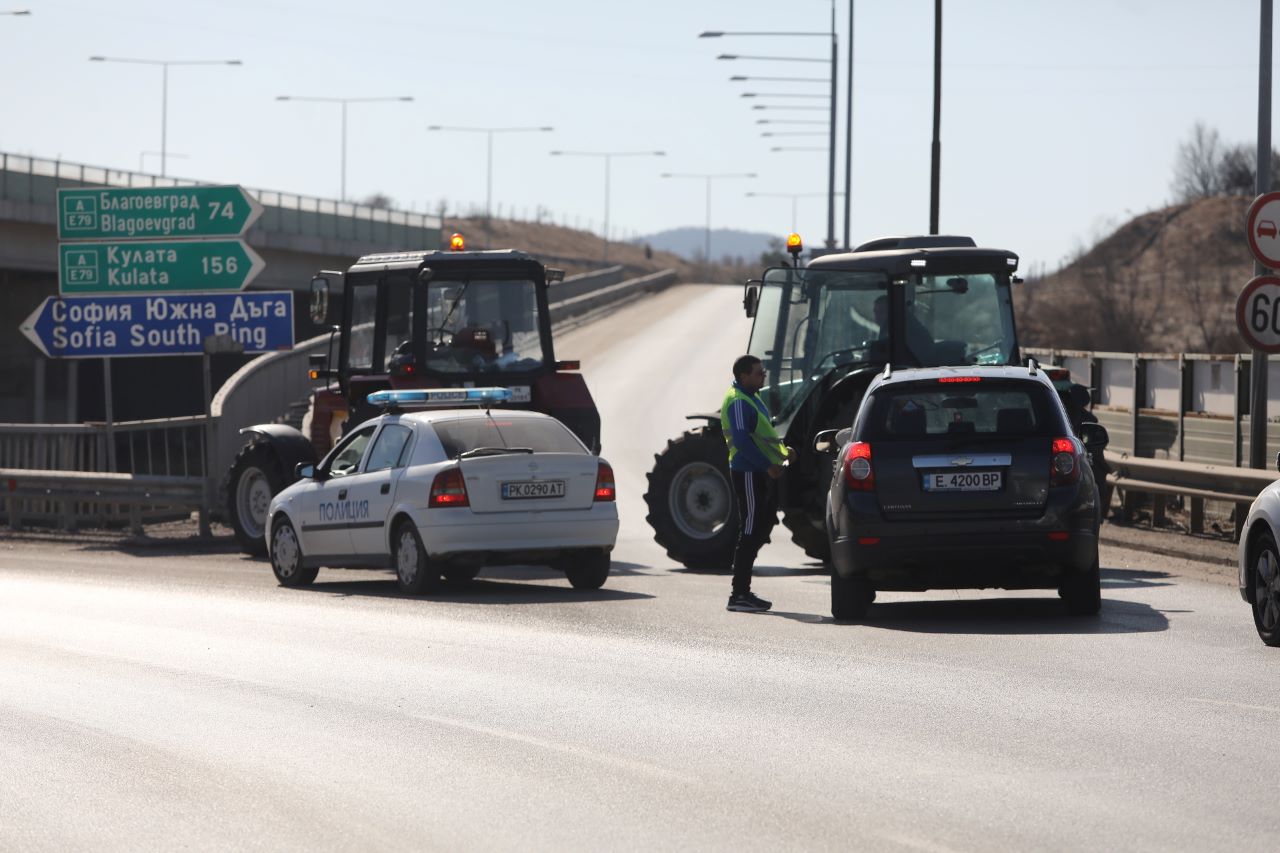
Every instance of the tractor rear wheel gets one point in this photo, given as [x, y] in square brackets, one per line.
[690, 500]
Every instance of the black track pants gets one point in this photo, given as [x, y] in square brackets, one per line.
[757, 500]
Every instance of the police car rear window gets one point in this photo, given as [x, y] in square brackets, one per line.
[542, 435]
[932, 409]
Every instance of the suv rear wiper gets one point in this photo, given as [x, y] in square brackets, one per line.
[493, 451]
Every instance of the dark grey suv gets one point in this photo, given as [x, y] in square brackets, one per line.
[962, 477]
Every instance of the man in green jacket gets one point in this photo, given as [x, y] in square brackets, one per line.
[756, 457]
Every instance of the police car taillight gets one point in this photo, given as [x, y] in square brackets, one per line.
[448, 490]
[1064, 462]
[858, 473]
[605, 489]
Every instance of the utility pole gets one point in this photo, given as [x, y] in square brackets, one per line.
[935, 173]
[1258, 372]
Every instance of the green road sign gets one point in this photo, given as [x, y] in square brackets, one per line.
[141, 213]
[134, 267]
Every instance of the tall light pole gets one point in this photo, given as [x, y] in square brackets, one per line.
[489, 132]
[164, 90]
[848, 135]
[935, 172]
[607, 156]
[344, 102]
[702, 176]
[831, 165]
[1258, 375]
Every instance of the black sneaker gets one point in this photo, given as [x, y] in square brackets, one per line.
[747, 602]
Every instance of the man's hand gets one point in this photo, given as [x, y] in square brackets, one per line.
[775, 471]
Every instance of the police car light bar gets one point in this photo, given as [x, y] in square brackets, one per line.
[440, 397]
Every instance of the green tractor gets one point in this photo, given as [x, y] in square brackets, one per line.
[823, 332]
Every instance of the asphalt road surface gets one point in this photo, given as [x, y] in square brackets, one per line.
[179, 699]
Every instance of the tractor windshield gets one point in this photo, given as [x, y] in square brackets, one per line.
[811, 322]
[477, 326]
[480, 326]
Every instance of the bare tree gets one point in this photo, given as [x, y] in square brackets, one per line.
[380, 201]
[1195, 174]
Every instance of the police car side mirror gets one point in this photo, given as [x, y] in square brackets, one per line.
[824, 442]
[1094, 436]
[305, 471]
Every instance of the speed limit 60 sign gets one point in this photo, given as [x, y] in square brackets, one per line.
[1258, 313]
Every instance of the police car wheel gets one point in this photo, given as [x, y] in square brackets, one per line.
[414, 573]
[1082, 592]
[286, 557]
[587, 571]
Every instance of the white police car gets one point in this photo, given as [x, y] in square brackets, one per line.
[1259, 562]
[445, 492]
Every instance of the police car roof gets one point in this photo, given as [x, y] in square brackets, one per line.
[992, 372]
[895, 256]
[428, 416]
[408, 260]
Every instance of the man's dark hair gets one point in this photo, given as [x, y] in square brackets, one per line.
[743, 365]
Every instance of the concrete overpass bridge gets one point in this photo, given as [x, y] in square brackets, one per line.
[295, 236]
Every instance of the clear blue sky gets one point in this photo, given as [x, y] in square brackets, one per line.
[1058, 118]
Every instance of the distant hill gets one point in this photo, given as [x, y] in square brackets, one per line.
[688, 242]
[1166, 281]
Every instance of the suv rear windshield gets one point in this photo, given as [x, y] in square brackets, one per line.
[917, 410]
[542, 435]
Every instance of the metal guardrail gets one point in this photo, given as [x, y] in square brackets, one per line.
[613, 294]
[68, 497]
[1137, 476]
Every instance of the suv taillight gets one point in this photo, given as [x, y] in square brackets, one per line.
[605, 489]
[858, 473]
[448, 489]
[1065, 460]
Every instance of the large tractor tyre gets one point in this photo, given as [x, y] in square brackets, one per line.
[690, 498]
[256, 476]
[812, 540]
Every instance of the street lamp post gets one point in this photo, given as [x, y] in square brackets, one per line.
[489, 132]
[831, 165]
[164, 90]
[344, 102]
[708, 178]
[607, 156]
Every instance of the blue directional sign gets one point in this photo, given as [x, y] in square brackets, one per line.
[172, 324]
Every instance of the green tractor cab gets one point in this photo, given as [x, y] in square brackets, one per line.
[823, 332]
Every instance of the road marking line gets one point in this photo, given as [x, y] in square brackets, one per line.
[1270, 708]
[568, 749]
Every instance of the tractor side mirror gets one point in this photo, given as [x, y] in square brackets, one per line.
[825, 441]
[319, 299]
[751, 297]
[1094, 436]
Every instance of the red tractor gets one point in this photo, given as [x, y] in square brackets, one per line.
[429, 319]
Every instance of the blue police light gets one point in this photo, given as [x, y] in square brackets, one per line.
[440, 397]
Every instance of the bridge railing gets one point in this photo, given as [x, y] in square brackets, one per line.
[34, 180]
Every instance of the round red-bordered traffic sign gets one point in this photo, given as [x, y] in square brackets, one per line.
[1262, 228]
[1258, 313]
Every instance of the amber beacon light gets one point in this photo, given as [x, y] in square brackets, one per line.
[794, 244]
[457, 243]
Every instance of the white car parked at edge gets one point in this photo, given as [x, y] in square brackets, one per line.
[1260, 562]
[446, 492]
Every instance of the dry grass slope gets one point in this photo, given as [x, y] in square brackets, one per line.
[1164, 282]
